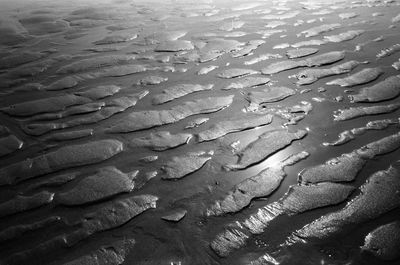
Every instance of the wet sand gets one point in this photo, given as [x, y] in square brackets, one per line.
[199, 132]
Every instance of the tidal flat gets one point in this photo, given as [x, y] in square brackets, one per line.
[199, 132]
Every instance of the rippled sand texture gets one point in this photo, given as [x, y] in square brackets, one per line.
[199, 132]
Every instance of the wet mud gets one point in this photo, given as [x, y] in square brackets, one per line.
[199, 132]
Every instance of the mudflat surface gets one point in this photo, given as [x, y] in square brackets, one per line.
[199, 132]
